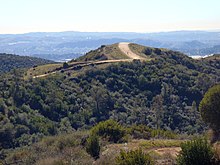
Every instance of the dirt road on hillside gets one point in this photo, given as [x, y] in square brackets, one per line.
[83, 64]
[43, 75]
[124, 47]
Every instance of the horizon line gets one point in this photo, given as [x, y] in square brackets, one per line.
[78, 31]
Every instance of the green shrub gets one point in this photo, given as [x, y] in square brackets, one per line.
[158, 133]
[139, 131]
[109, 129]
[144, 132]
[137, 157]
[196, 152]
[65, 65]
[93, 146]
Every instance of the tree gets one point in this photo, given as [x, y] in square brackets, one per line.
[204, 82]
[210, 110]
[142, 82]
[93, 146]
[65, 65]
[101, 101]
[158, 109]
[65, 126]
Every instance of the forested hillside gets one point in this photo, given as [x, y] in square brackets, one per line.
[161, 93]
[9, 62]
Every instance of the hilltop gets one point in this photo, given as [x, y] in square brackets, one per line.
[106, 54]
[120, 52]
[123, 50]
[9, 62]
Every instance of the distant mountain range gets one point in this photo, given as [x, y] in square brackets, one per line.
[62, 46]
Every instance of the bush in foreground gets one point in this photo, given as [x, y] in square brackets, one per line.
[137, 157]
[144, 132]
[196, 152]
[93, 146]
[109, 129]
[210, 110]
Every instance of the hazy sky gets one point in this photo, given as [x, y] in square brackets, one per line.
[19, 16]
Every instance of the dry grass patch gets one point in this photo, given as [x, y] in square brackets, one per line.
[40, 70]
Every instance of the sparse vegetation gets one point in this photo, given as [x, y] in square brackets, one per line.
[63, 149]
[107, 52]
[160, 143]
[40, 70]
[143, 51]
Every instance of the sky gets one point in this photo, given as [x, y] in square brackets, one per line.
[21, 16]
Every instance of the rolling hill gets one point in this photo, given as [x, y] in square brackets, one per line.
[129, 83]
[107, 54]
[9, 62]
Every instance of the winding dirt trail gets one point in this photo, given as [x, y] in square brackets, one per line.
[43, 75]
[124, 47]
[83, 64]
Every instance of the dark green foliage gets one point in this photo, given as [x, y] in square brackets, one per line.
[93, 146]
[210, 108]
[125, 92]
[109, 129]
[163, 134]
[196, 152]
[137, 157]
[9, 62]
[144, 132]
[65, 65]
[102, 102]
[139, 131]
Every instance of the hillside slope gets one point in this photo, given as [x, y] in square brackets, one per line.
[113, 52]
[163, 92]
[109, 54]
[105, 52]
[9, 62]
